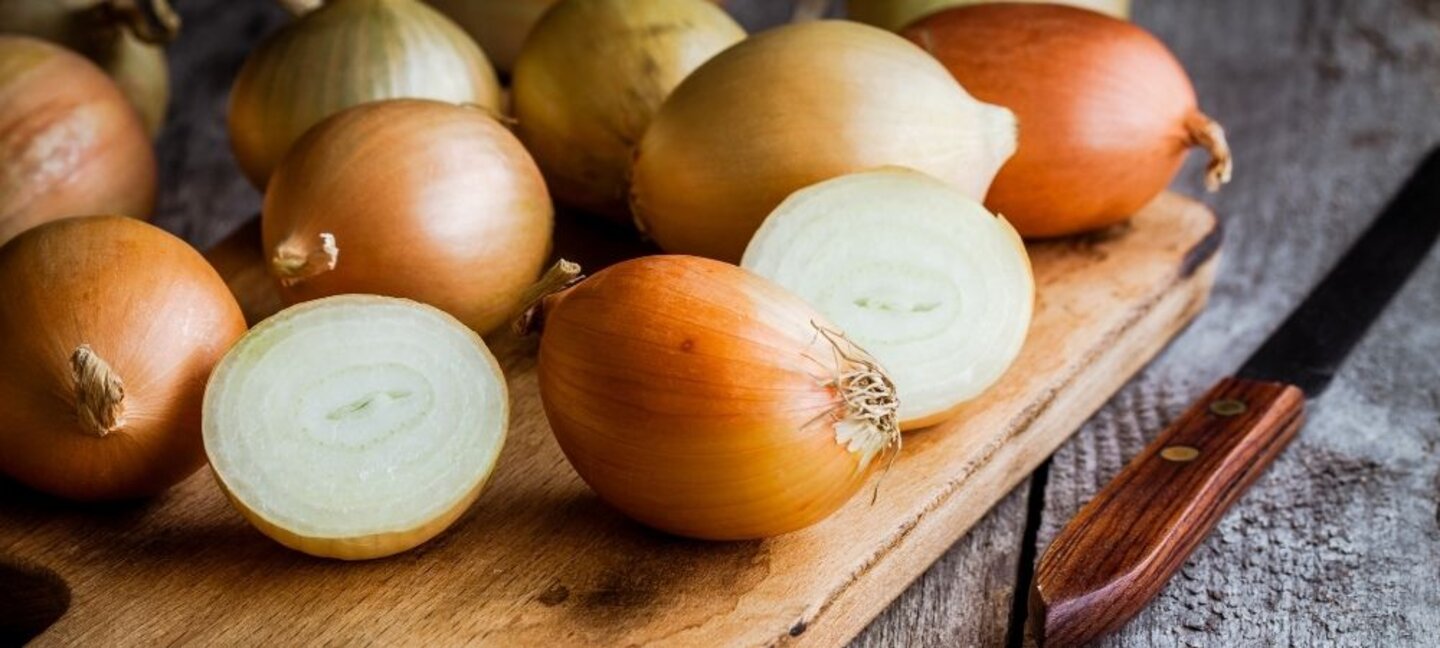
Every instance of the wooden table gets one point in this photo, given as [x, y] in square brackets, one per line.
[1328, 104]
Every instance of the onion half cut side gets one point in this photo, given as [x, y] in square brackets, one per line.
[938, 289]
[355, 426]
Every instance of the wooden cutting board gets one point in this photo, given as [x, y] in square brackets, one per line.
[540, 561]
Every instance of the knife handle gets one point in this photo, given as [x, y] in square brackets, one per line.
[1124, 545]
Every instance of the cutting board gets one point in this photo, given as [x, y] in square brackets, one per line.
[540, 561]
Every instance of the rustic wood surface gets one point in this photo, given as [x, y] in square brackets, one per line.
[1327, 103]
[540, 561]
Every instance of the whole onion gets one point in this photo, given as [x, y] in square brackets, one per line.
[704, 400]
[895, 14]
[345, 53]
[110, 329]
[123, 37]
[591, 76]
[499, 26]
[1106, 112]
[69, 141]
[410, 198]
[794, 106]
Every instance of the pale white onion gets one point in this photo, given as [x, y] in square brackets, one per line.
[355, 426]
[935, 287]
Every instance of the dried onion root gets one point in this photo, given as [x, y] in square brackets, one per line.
[918, 274]
[355, 426]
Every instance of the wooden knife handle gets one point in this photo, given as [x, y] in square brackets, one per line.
[1120, 550]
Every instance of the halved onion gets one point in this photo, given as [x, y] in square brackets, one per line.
[355, 426]
[923, 277]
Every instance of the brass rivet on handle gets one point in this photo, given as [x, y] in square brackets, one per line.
[1179, 454]
[1227, 407]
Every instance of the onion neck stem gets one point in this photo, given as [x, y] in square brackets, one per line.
[1209, 135]
[299, 8]
[808, 10]
[294, 263]
[556, 280]
[99, 393]
[152, 21]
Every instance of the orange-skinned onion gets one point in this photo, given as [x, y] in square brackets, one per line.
[70, 143]
[896, 14]
[111, 327]
[342, 54]
[591, 76]
[1106, 112]
[705, 401]
[794, 106]
[410, 198]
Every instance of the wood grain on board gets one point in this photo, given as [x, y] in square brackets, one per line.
[540, 560]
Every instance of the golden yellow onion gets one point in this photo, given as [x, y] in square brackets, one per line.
[705, 401]
[345, 53]
[794, 106]
[896, 14]
[110, 327]
[70, 143]
[357, 426]
[123, 37]
[410, 198]
[499, 26]
[591, 76]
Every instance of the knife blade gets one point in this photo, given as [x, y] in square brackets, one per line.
[1124, 545]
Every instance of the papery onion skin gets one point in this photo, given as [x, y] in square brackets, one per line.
[344, 547]
[136, 63]
[344, 54]
[869, 250]
[417, 199]
[591, 76]
[152, 310]
[499, 26]
[700, 399]
[794, 106]
[1107, 114]
[897, 14]
[66, 148]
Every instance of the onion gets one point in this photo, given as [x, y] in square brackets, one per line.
[499, 26]
[794, 106]
[1106, 112]
[357, 426]
[110, 329]
[123, 37]
[69, 142]
[895, 14]
[705, 401]
[592, 75]
[410, 198]
[345, 53]
[912, 270]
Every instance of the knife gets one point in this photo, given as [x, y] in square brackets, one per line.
[1126, 543]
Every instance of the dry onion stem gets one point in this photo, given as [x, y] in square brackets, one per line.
[99, 393]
